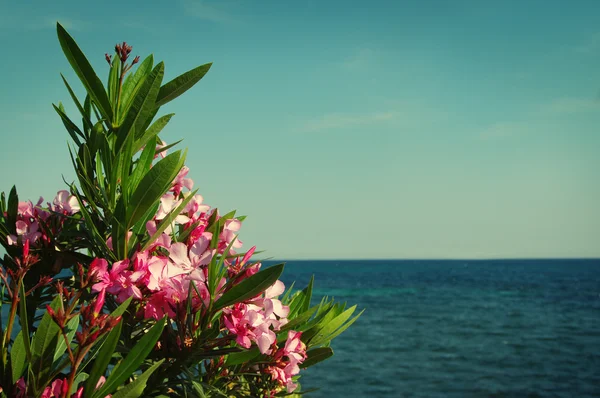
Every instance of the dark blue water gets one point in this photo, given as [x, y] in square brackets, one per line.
[518, 328]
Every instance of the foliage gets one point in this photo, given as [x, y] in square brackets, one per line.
[127, 284]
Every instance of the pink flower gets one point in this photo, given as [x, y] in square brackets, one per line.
[200, 254]
[229, 233]
[65, 203]
[272, 305]
[56, 390]
[160, 146]
[21, 388]
[287, 361]
[195, 206]
[168, 203]
[118, 281]
[181, 181]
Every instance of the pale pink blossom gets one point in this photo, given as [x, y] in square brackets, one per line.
[119, 281]
[65, 203]
[181, 181]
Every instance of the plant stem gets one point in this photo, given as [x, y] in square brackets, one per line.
[13, 313]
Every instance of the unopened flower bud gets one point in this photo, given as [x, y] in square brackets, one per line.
[25, 250]
[50, 311]
[93, 337]
[99, 302]
[79, 337]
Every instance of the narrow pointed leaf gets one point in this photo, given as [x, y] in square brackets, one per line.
[142, 106]
[130, 364]
[250, 287]
[18, 358]
[181, 84]
[23, 321]
[154, 184]
[242, 357]
[102, 360]
[153, 131]
[85, 72]
[132, 84]
[43, 347]
[61, 347]
[315, 356]
[165, 222]
[136, 388]
[84, 114]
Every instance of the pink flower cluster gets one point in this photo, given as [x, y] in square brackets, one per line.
[287, 361]
[29, 217]
[161, 276]
[257, 320]
[58, 389]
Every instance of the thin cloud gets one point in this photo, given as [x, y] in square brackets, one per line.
[219, 12]
[348, 120]
[544, 117]
[503, 130]
[20, 20]
[362, 59]
[591, 45]
[569, 105]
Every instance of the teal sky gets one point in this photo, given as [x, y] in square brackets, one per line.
[346, 129]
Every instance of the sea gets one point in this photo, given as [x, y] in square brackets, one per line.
[500, 328]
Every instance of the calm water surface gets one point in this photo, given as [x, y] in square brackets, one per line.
[518, 328]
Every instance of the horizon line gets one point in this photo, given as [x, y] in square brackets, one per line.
[438, 259]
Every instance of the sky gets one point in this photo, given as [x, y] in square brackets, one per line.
[345, 129]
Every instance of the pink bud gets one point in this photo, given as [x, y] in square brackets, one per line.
[25, 250]
[50, 311]
[248, 255]
[99, 302]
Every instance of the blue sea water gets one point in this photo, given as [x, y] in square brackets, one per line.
[502, 328]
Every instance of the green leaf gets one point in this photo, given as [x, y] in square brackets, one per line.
[301, 319]
[18, 358]
[315, 356]
[132, 84]
[44, 344]
[308, 294]
[84, 114]
[130, 364]
[340, 330]
[120, 310]
[250, 287]
[144, 164]
[102, 359]
[154, 184]
[98, 238]
[85, 72]
[136, 388]
[296, 302]
[12, 209]
[23, 320]
[80, 378]
[198, 388]
[328, 328]
[114, 78]
[165, 222]
[242, 357]
[142, 107]
[181, 84]
[153, 131]
[61, 347]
